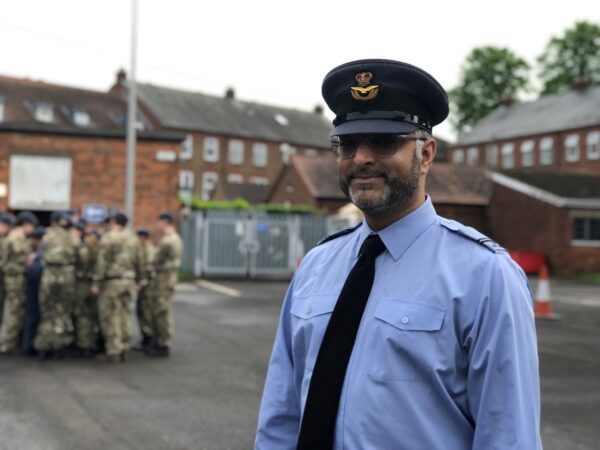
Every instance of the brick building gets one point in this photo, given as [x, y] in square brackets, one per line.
[230, 141]
[559, 132]
[62, 148]
[555, 214]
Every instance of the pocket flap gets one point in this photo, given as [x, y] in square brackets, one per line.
[314, 305]
[410, 316]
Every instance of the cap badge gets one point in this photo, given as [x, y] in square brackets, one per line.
[363, 92]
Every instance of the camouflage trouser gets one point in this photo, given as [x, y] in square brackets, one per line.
[2, 295]
[14, 286]
[57, 290]
[144, 312]
[161, 291]
[86, 316]
[114, 311]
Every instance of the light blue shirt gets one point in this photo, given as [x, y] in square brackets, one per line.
[445, 356]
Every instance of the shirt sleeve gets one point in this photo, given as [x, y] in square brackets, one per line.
[503, 381]
[279, 417]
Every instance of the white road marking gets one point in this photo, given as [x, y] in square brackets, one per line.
[219, 288]
[585, 301]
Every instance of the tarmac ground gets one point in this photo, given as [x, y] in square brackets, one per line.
[207, 394]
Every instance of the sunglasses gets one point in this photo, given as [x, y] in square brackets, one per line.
[382, 145]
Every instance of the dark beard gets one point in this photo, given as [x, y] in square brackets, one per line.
[397, 195]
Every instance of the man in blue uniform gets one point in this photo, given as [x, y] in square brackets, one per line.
[409, 331]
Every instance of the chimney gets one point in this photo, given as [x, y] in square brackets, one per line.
[318, 110]
[230, 93]
[121, 76]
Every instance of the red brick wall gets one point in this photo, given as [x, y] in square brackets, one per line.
[583, 165]
[521, 223]
[473, 216]
[98, 170]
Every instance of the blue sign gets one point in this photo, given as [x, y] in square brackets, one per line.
[95, 213]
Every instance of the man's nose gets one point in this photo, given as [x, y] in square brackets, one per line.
[364, 155]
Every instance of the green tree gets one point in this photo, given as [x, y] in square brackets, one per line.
[489, 76]
[571, 60]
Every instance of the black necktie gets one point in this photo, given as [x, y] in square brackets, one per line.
[320, 413]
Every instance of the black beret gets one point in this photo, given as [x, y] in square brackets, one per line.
[65, 221]
[8, 219]
[120, 218]
[27, 217]
[55, 216]
[166, 216]
[383, 96]
[144, 232]
[38, 233]
[80, 225]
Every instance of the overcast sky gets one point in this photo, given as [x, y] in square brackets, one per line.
[270, 51]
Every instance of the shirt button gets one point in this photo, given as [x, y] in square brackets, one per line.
[404, 320]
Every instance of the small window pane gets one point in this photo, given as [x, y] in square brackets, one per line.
[508, 156]
[546, 151]
[236, 152]
[572, 148]
[473, 156]
[211, 149]
[259, 155]
[187, 148]
[492, 155]
[593, 145]
[527, 153]
[458, 157]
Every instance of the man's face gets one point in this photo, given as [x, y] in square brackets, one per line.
[4, 229]
[378, 185]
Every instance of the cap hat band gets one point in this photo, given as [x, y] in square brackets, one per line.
[386, 115]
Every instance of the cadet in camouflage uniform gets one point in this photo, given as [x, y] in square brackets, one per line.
[162, 287]
[143, 310]
[118, 269]
[15, 253]
[7, 221]
[57, 290]
[86, 308]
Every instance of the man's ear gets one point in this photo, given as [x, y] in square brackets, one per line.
[428, 153]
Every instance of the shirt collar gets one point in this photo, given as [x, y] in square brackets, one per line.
[400, 235]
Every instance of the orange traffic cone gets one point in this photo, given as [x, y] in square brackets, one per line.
[543, 304]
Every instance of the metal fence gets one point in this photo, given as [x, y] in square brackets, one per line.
[255, 244]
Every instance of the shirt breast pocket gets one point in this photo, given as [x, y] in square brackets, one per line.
[405, 340]
[309, 319]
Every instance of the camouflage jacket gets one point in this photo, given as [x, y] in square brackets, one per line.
[87, 256]
[15, 251]
[148, 254]
[119, 257]
[59, 248]
[168, 253]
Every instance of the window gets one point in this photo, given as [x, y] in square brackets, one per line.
[458, 156]
[236, 152]
[186, 180]
[187, 148]
[473, 156]
[572, 148]
[259, 180]
[209, 182]
[593, 145]
[211, 149]
[586, 229]
[235, 178]
[81, 118]
[491, 155]
[259, 155]
[527, 153]
[508, 156]
[546, 151]
[311, 152]
[44, 112]
[1, 109]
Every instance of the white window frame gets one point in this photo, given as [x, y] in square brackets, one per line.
[259, 154]
[546, 151]
[235, 178]
[211, 149]
[1, 108]
[235, 152]
[491, 155]
[186, 180]
[527, 154]
[508, 155]
[593, 145]
[44, 112]
[209, 182]
[458, 156]
[82, 118]
[186, 152]
[472, 156]
[572, 148]
[262, 181]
